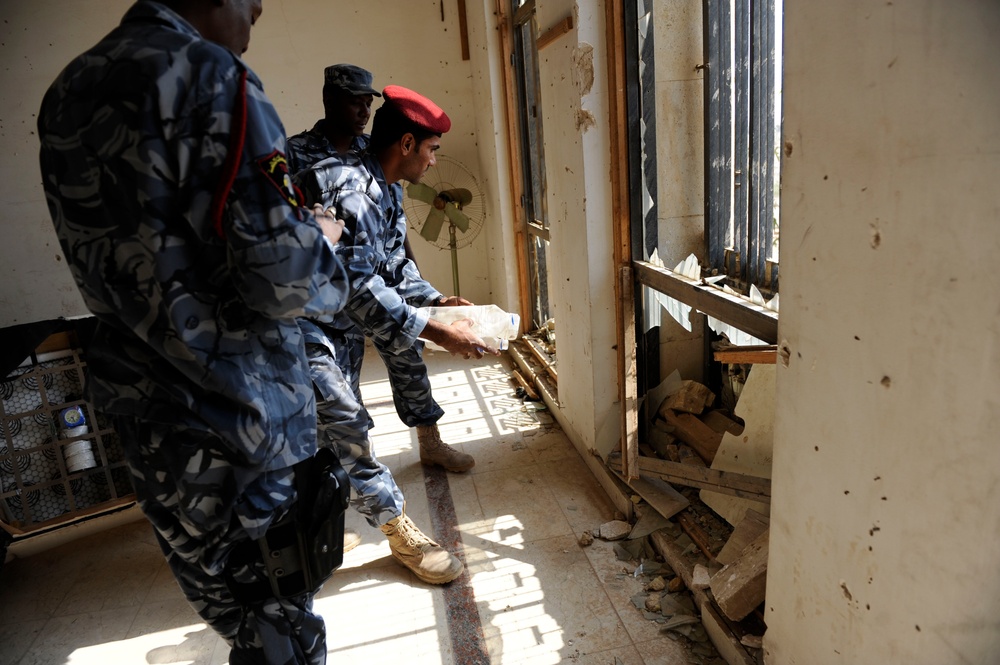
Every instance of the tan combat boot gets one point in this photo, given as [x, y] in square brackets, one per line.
[428, 560]
[351, 539]
[434, 451]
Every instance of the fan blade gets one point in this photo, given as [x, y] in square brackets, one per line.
[421, 192]
[432, 225]
[456, 216]
[462, 197]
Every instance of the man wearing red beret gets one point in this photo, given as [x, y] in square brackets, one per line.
[385, 303]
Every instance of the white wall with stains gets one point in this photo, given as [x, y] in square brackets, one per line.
[574, 95]
[885, 520]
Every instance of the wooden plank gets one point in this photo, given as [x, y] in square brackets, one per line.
[463, 29]
[739, 587]
[542, 357]
[529, 390]
[624, 284]
[555, 32]
[720, 422]
[629, 381]
[725, 636]
[692, 397]
[696, 534]
[663, 498]
[735, 310]
[512, 134]
[724, 482]
[718, 629]
[689, 429]
[747, 355]
[751, 526]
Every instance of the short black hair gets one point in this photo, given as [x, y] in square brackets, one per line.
[389, 125]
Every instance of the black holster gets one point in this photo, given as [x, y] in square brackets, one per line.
[301, 550]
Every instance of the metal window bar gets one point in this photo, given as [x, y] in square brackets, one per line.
[718, 71]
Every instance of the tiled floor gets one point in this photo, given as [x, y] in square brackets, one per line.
[531, 593]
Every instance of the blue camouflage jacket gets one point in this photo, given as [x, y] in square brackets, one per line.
[164, 172]
[387, 290]
[311, 146]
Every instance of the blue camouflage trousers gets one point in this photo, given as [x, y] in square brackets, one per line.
[184, 485]
[344, 422]
[411, 387]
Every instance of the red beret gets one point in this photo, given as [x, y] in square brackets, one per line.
[417, 109]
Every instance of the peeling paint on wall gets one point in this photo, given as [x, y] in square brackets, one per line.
[584, 120]
[583, 65]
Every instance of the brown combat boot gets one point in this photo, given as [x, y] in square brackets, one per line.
[428, 560]
[435, 452]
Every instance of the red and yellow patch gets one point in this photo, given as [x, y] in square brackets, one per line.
[275, 167]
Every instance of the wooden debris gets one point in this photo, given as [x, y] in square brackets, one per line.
[692, 397]
[746, 355]
[739, 587]
[696, 534]
[659, 441]
[724, 636]
[529, 389]
[687, 455]
[725, 482]
[719, 421]
[692, 431]
[751, 526]
[660, 495]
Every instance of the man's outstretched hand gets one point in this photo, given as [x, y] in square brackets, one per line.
[458, 339]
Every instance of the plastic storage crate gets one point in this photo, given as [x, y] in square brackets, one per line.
[42, 480]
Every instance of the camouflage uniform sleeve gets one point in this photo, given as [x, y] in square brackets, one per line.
[282, 263]
[402, 274]
[374, 305]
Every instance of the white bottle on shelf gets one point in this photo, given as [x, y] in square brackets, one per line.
[78, 455]
[495, 326]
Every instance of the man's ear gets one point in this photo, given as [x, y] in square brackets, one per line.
[407, 142]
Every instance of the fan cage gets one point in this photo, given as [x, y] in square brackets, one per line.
[446, 174]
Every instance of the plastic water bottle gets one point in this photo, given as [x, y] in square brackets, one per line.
[494, 325]
[78, 455]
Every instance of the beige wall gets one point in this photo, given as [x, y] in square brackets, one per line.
[885, 535]
[574, 94]
[292, 43]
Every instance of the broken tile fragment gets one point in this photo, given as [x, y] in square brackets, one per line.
[700, 578]
[657, 584]
[615, 530]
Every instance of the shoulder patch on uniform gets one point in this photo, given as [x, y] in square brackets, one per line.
[275, 167]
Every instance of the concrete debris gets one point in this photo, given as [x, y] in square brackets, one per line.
[701, 577]
[752, 641]
[657, 584]
[615, 530]
[653, 602]
[586, 539]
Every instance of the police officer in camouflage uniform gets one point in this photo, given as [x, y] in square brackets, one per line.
[163, 167]
[347, 97]
[387, 294]
[347, 104]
